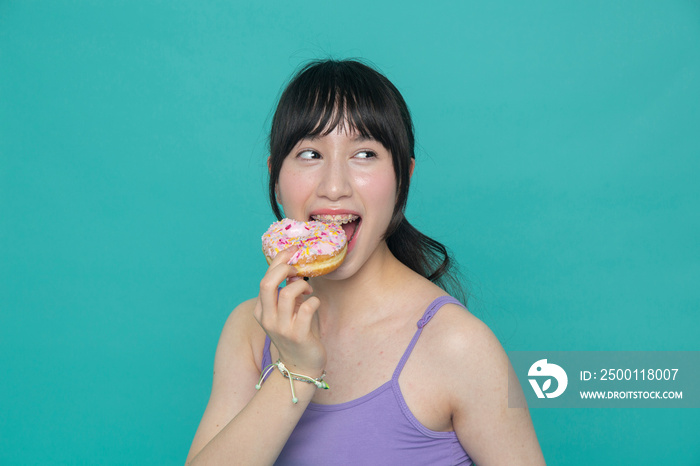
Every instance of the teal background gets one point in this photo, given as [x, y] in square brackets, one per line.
[558, 158]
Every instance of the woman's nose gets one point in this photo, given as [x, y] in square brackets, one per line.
[335, 181]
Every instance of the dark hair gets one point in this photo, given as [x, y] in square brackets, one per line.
[328, 93]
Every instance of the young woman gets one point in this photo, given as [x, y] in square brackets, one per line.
[414, 377]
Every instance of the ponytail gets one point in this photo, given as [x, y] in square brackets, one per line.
[427, 257]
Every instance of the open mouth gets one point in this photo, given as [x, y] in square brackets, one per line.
[349, 223]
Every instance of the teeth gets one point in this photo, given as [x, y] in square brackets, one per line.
[340, 219]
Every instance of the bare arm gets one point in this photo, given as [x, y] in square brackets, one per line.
[490, 431]
[242, 425]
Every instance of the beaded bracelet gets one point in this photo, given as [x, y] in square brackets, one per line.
[292, 376]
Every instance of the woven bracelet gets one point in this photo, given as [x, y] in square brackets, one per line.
[292, 376]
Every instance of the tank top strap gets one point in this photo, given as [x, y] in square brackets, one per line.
[427, 315]
[267, 357]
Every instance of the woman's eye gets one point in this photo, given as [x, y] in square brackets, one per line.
[365, 154]
[309, 155]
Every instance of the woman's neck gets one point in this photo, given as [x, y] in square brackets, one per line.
[362, 298]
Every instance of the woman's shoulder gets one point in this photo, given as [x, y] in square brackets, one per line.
[473, 369]
[455, 317]
[456, 351]
[452, 330]
[241, 318]
[461, 334]
[467, 358]
[460, 343]
[452, 317]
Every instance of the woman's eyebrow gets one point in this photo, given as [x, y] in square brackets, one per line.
[362, 138]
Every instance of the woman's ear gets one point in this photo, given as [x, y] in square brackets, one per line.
[269, 166]
[411, 167]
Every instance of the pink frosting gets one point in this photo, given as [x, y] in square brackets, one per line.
[313, 238]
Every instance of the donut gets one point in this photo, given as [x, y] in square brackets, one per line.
[322, 246]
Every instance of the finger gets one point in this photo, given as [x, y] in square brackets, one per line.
[290, 298]
[306, 312]
[283, 256]
[278, 271]
[291, 280]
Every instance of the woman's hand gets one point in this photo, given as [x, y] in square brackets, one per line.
[290, 319]
[237, 412]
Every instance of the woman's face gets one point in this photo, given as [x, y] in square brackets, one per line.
[341, 177]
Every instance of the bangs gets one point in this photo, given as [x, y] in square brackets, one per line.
[334, 96]
[337, 108]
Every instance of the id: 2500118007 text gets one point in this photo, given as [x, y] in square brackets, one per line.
[630, 374]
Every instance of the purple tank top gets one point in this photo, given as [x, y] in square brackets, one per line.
[375, 429]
